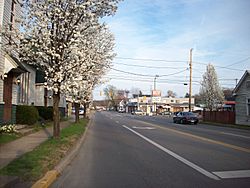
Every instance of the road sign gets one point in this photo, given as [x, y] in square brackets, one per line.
[156, 99]
[156, 93]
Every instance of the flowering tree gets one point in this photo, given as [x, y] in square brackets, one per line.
[211, 92]
[97, 60]
[53, 31]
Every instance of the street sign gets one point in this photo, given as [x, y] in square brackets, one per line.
[156, 99]
[156, 93]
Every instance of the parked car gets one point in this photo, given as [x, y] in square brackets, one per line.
[121, 110]
[166, 113]
[137, 112]
[185, 117]
[81, 111]
[175, 113]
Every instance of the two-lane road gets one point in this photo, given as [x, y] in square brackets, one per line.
[122, 150]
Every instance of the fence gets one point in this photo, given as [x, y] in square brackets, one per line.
[227, 117]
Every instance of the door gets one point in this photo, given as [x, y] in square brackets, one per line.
[7, 97]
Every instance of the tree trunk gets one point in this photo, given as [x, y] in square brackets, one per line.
[56, 115]
[77, 107]
[85, 110]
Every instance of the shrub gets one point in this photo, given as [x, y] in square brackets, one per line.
[26, 115]
[45, 113]
[8, 129]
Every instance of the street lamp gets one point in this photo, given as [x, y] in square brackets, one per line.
[156, 76]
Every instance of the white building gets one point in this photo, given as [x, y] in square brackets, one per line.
[147, 104]
[19, 83]
[10, 68]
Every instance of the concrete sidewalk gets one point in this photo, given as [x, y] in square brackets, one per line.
[16, 148]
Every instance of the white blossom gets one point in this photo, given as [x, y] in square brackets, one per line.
[65, 39]
[60, 37]
[211, 91]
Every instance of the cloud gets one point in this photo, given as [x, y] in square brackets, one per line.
[160, 29]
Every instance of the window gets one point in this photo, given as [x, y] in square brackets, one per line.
[12, 17]
[13, 6]
[248, 84]
[23, 90]
[248, 107]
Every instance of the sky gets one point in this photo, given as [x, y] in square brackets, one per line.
[154, 37]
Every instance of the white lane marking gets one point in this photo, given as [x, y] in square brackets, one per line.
[147, 128]
[178, 157]
[236, 135]
[117, 121]
[233, 174]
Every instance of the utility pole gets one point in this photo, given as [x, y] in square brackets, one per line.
[190, 80]
[156, 76]
[155, 105]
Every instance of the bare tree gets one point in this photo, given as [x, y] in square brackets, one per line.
[110, 93]
[228, 93]
[170, 93]
[134, 90]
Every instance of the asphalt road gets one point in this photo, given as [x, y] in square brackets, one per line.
[122, 150]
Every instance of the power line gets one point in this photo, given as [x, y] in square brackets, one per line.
[144, 66]
[132, 73]
[201, 63]
[162, 82]
[238, 62]
[146, 59]
[147, 75]
[149, 81]
[136, 76]
[140, 77]
[219, 66]
[174, 73]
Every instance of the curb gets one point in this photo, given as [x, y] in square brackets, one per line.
[47, 180]
[52, 175]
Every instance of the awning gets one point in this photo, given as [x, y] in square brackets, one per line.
[14, 65]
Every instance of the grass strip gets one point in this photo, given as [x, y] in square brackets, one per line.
[5, 138]
[33, 165]
[247, 127]
[8, 137]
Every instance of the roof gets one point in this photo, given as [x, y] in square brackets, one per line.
[229, 102]
[132, 104]
[181, 105]
[18, 66]
[247, 72]
[140, 95]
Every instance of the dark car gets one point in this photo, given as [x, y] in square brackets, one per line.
[185, 117]
[175, 113]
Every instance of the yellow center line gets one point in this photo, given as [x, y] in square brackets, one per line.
[200, 138]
